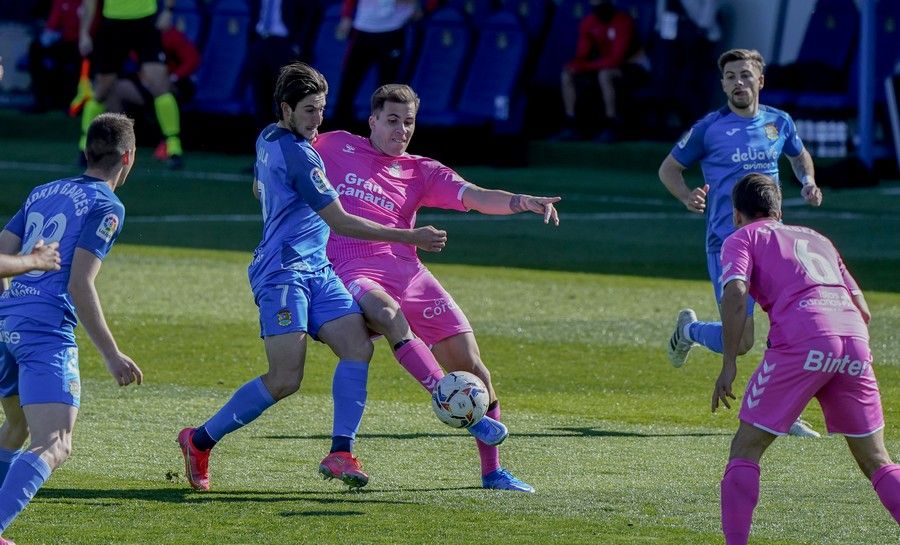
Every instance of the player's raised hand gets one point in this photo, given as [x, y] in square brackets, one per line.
[696, 201]
[811, 194]
[124, 370]
[45, 257]
[429, 238]
[722, 389]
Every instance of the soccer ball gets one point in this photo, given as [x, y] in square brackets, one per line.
[459, 399]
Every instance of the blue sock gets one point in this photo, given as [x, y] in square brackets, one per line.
[342, 443]
[709, 334]
[7, 457]
[348, 389]
[26, 476]
[248, 402]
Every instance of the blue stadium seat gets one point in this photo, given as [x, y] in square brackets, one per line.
[490, 90]
[328, 54]
[559, 46]
[644, 14]
[830, 37]
[535, 14]
[187, 19]
[473, 10]
[439, 68]
[221, 83]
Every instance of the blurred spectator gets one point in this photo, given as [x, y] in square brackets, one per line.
[608, 54]
[53, 57]
[377, 34]
[283, 33]
[687, 36]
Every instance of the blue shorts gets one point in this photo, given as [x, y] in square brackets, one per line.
[304, 303]
[38, 363]
[714, 265]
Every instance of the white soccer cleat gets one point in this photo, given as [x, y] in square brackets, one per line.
[679, 345]
[801, 428]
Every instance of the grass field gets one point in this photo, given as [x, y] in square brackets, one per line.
[621, 447]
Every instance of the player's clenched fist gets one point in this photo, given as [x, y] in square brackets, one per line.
[429, 238]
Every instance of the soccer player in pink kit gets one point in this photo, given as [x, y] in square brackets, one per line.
[378, 180]
[818, 347]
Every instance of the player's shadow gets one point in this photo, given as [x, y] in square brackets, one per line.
[552, 432]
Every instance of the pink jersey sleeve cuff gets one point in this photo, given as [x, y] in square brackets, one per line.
[733, 277]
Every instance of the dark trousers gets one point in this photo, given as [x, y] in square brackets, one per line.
[382, 49]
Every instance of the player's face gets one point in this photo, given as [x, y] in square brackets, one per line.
[304, 120]
[741, 81]
[393, 127]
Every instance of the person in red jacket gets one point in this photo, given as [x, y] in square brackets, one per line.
[608, 51]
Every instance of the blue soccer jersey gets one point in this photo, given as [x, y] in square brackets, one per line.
[728, 146]
[80, 212]
[293, 187]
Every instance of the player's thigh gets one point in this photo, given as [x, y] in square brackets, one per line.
[348, 338]
[851, 401]
[384, 316]
[16, 427]
[286, 354]
[155, 77]
[432, 313]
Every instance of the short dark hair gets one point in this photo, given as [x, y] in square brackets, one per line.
[751, 55]
[757, 196]
[108, 137]
[393, 92]
[297, 81]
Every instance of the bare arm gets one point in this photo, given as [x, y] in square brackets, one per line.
[42, 257]
[496, 202]
[671, 174]
[734, 314]
[85, 267]
[427, 238]
[860, 301]
[803, 168]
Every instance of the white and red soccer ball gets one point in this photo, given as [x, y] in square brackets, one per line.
[460, 399]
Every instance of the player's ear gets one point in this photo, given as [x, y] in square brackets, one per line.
[762, 80]
[286, 110]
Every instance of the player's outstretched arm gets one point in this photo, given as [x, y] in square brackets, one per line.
[805, 171]
[43, 257]
[497, 202]
[734, 314]
[85, 266]
[427, 238]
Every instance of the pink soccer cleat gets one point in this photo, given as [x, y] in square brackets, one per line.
[196, 461]
[346, 467]
[6, 541]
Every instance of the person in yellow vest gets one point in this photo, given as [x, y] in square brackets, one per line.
[127, 26]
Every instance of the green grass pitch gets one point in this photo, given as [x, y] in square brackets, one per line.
[573, 321]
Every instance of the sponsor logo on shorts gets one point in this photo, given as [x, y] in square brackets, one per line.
[107, 227]
[820, 362]
[9, 337]
[284, 317]
[438, 307]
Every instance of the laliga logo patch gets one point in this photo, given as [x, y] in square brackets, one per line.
[771, 131]
[284, 317]
[684, 139]
[107, 227]
[317, 175]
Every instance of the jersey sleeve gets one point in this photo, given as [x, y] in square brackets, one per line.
[306, 173]
[445, 187]
[102, 227]
[737, 261]
[16, 225]
[793, 146]
[692, 146]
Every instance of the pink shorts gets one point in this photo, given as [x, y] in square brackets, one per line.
[432, 314]
[835, 370]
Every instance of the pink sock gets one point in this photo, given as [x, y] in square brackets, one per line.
[740, 492]
[490, 456]
[419, 362]
[886, 482]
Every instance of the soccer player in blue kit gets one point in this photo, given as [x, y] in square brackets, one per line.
[295, 287]
[40, 385]
[738, 139]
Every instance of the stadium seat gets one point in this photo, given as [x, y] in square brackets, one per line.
[644, 14]
[560, 43]
[221, 84]
[533, 13]
[188, 20]
[328, 54]
[490, 90]
[473, 10]
[440, 65]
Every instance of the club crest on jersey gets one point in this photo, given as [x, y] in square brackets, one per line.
[107, 227]
[684, 139]
[771, 131]
[284, 317]
[395, 169]
[317, 175]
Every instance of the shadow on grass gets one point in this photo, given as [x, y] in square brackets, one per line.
[553, 432]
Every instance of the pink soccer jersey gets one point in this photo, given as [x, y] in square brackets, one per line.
[387, 190]
[797, 277]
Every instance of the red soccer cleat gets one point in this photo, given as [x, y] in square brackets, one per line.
[196, 461]
[346, 467]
